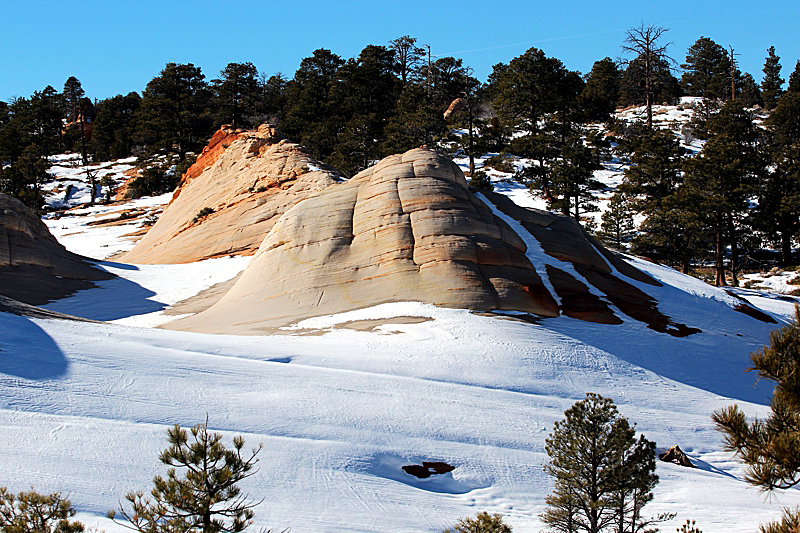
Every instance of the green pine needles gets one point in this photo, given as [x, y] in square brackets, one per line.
[203, 496]
[31, 512]
[603, 475]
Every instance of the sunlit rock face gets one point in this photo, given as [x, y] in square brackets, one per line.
[231, 197]
[407, 229]
[34, 267]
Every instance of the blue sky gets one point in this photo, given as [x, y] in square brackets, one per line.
[118, 46]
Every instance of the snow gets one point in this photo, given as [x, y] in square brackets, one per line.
[84, 407]
[72, 228]
[340, 413]
[69, 173]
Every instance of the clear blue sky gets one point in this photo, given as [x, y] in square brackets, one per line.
[117, 46]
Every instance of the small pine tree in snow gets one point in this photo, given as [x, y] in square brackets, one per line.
[31, 512]
[482, 523]
[617, 228]
[603, 475]
[204, 496]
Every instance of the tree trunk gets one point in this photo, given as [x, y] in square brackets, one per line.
[734, 251]
[786, 248]
[471, 156]
[720, 248]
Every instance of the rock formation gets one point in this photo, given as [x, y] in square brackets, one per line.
[231, 197]
[405, 229]
[34, 267]
[410, 229]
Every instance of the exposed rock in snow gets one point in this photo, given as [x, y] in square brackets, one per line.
[34, 267]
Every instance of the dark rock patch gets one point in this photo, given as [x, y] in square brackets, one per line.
[428, 468]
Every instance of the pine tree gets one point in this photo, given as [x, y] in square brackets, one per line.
[599, 96]
[723, 178]
[204, 496]
[72, 94]
[114, 127]
[482, 523]
[794, 78]
[707, 69]
[748, 92]
[603, 474]
[674, 232]
[771, 84]
[31, 512]
[236, 92]
[407, 57]
[770, 447]
[655, 172]
[312, 115]
[617, 227]
[527, 88]
[174, 110]
[572, 178]
[778, 212]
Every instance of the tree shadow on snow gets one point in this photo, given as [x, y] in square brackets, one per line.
[27, 351]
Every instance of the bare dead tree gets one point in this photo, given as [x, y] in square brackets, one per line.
[643, 43]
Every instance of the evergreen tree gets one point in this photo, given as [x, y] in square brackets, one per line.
[707, 70]
[748, 92]
[617, 227]
[46, 121]
[273, 98]
[235, 93]
[633, 84]
[603, 474]
[794, 78]
[72, 94]
[174, 110]
[312, 116]
[771, 84]
[31, 512]
[675, 232]
[770, 447]
[482, 523]
[205, 496]
[408, 57]
[368, 91]
[572, 177]
[599, 96]
[526, 89]
[415, 121]
[653, 61]
[655, 170]
[778, 212]
[114, 127]
[723, 178]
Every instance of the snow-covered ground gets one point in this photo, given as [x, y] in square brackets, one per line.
[70, 186]
[84, 407]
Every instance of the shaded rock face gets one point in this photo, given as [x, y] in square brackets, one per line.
[564, 239]
[34, 267]
[242, 182]
[405, 229]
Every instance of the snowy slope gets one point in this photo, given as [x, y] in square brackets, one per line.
[84, 407]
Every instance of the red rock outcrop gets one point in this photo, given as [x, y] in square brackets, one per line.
[231, 197]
